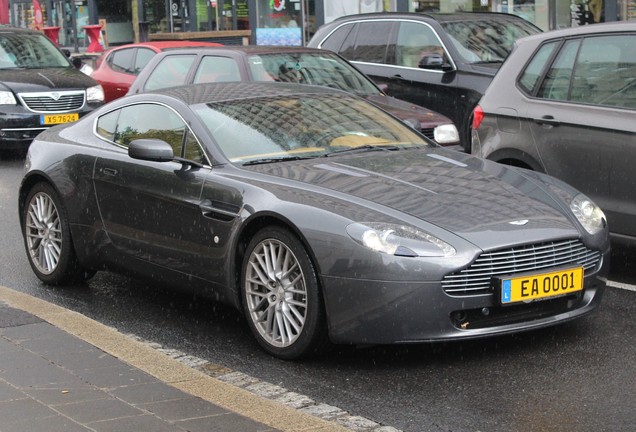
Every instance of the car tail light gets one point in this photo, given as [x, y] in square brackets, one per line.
[478, 116]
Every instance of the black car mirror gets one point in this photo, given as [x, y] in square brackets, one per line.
[151, 149]
[433, 61]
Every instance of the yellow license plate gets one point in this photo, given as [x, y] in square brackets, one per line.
[52, 119]
[540, 286]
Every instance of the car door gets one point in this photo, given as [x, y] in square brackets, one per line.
[152, 211]
[582, 121]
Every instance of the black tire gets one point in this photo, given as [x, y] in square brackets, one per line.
[47, 238]
[282, 294]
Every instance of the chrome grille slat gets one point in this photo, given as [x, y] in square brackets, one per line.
[476, 279]
[53, 102]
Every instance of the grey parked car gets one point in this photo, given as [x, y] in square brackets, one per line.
[319, 215]
[443, 61]
[564, 103]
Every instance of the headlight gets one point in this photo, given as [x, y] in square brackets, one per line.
[7, 98]
[95, 94]
[589, 214]
[399, 240]
[446, 134]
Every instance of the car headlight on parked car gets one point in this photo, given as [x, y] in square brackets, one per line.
[446, 134]
[95, 94]
[400, 240]
[589, 214]
[7, 98]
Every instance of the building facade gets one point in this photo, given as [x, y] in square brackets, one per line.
[285, 22]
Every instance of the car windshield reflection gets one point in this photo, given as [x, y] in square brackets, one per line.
[291, 128]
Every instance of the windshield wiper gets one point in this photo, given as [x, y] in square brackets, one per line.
[274, 160]
[363, 148]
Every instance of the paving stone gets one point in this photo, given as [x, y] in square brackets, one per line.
[146, 393]
[57, 423]
[20, 409]
[98, 410]
[65, 395]
[8, 392]
[182, 409]
[143, 423]
[225, 422]
[119, 376]
[10, 317]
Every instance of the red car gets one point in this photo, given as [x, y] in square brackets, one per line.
[118, 67]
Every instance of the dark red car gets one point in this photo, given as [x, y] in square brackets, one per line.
[118, 67]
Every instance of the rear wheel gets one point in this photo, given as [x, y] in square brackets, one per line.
[281, 295]
[47, 238]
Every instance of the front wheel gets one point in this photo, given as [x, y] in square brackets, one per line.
[47, 238]
[281, 295]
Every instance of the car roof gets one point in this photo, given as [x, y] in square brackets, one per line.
[231, 91]
[435, 16]
[11, 29]
[608, 27]
[255, 49]
[165, 45]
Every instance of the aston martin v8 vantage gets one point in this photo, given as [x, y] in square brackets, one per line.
[321, 217]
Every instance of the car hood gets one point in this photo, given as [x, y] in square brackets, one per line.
[408, 111]
[470, 197]
[37, 80]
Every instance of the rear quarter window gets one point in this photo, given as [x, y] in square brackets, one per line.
[531, 75]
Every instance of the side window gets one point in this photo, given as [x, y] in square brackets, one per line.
[143, 57]
[160, 122]
[605, 71]
[107, 125]
[535, 68]
[371, 43]
[217, 69]
[171, 71]
[414, 42]
[556, 84]
[121, 61]
[337, 38]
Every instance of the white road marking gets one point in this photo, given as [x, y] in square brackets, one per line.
[624, 286]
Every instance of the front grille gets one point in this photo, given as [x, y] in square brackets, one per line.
[428, 133]
[53, 102]
[476, 279]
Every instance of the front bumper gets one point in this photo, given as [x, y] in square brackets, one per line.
[387, 312]
[18, 126]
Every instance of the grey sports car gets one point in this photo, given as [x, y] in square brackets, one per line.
[321, 217]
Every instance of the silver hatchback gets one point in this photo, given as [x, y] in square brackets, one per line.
[564, 103]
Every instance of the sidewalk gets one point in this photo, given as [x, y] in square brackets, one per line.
[61, 371]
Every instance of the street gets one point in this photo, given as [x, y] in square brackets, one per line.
[580, 376]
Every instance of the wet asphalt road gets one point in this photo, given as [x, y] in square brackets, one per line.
[580, 376]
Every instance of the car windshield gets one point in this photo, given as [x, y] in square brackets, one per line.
[30, 51]
[266, 130]
[486, 40]
[320, 69]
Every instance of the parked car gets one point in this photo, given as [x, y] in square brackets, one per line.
[286, 64]
[39, 87]
[564, 103]
[118, 67]
[319, 215]
[442, 61]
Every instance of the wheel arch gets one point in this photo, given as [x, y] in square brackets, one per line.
[249, 228]
[518, 158]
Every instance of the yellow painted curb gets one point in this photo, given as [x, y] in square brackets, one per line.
[168, 370]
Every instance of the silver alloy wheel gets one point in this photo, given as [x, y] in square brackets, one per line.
[276, 293]
[43, 233]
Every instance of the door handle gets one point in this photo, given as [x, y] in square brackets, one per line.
[109, 171]
[547, 120]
